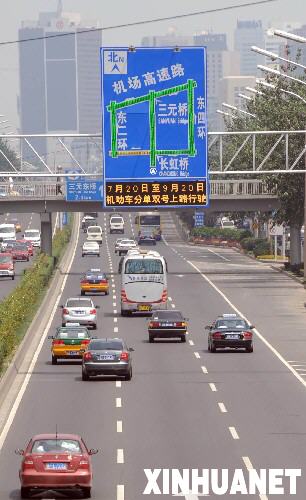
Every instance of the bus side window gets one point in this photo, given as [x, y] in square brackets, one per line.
[120, 265]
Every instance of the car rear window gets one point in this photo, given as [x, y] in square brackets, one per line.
[72, 334]
[95, 276]
[4, 259]
[231, 323]
[101, 345]
[79, 303]
[168, 315]
[94, 229]
[56, 445]
[116, 220]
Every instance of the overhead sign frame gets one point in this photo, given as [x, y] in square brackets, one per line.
[172, 152]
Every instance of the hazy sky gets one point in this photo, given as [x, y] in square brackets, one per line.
[114, 12]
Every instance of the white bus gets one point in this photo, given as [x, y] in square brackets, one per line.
[143, 282]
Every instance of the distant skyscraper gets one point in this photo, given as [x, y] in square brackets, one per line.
[249, 33]
[59, 76]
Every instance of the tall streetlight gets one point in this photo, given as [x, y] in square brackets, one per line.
[278, 73]
[234, 108]
[274, 56]
[254, 91]
[243, 96]
[225, 113]
[289, 36]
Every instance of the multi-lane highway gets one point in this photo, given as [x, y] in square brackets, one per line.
[185, 407]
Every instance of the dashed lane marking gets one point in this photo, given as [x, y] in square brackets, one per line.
[120, 491]
[191, 342]
[197, 355]
[222, 407]
[118, 403]
[233, 432]
[116, 329]
[120, 456]
[204, 369]
[118, 383]
[119, 425]
[213, 387]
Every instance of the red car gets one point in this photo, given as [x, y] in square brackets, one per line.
[7, 265]
[20, 252]
[58, 462]
[29, 245]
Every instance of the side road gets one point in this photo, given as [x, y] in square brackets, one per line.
[22, 362]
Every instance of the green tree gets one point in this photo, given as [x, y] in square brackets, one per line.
[277, 110]
[6, 151]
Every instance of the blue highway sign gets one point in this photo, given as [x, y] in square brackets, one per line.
[154, 104]
[199, 218]
[84, 190]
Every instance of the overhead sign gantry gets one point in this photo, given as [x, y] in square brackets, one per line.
[154, 126]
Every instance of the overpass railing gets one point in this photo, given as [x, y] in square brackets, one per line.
[239, 188]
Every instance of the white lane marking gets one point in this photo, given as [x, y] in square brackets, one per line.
[26, 381]
[119, 425]
[218, 254]
[173, 305]
[222, 407]
[213, 387]
[197, 355]
[118, 403]
[115, 320]
[191, 342]
[114, 295]
[259, 335]
[170, 299]
[120, 491]
[120, 456]
[116, 329]
[114, 304]
[233, 432]
[249, 466]
[115, 312]
[118, 383]
[113, 285]
[204, 369]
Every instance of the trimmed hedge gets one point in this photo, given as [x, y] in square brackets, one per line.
[217, 232]
[19, 307]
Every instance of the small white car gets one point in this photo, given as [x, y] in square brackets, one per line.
[91, 248]
[117, 242]
[81, 310]
[33, 235]
[94, 233]
[7, 232]
[116, 224]
[125, 245]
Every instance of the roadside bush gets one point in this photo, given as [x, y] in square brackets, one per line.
[262, 247]
[217, 232]
[248, 244]
[18, 308]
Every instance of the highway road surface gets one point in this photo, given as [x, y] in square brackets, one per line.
[185, 407]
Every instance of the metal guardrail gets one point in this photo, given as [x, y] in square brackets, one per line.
[219, 189]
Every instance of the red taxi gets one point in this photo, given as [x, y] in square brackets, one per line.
[7, 266]
[29, 245]
[20, 251]
[60, 462]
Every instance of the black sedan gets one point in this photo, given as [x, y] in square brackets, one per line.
[146, 236]
[107, 357]
[230, 330]
[167, 324]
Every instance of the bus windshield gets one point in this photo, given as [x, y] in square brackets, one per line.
[144, 266]
[149, 220]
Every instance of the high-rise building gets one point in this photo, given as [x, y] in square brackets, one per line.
[248, 33]
[59, 76]
[220, 63]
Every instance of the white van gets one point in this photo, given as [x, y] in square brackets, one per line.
[7, 232]
[116, 224]
[94, 233]
[33, 235]
[143, 282]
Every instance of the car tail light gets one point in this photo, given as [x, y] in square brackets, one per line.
[28, 463]
[164, 296]
[84, 282]
[123, 296]
[58, 342]
[93, 311]
[103, 281]
[217, 335]
[124, 356]
[180, 324]
[87, 356]
[85, 342]
[247, 335]
[154, 324]
[84, 462]
[65, 311]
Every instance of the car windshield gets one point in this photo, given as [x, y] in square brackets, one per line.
[78, 303]
[94, 229]
[90, 244]
[144, 266]
[116, 220]
[102, 345]
[5, 258]
[31, 234]
[168, 315]
[21, 247]
[7, 229]
[231, 323]
[127, 242]
[72, 333]
[56, 445]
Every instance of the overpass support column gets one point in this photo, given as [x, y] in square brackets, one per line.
[46, 233]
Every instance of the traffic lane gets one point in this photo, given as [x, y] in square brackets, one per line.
[57, 396]
[267, 403]
[169, 411]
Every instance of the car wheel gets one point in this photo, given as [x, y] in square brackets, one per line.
[209, 349]
[183, 338]
[86, 492]
[63, 324]
[119, 254]
[107, 293]
[250, 348]
[151, 338]
[54, 360]
[24, 492]
[98, 255]
[85, 377]
[13, 277]
[212, 347]
[94, 327]
[123, 313]
[28, 259]
[82, 292]
[82, 255]
[129, 375]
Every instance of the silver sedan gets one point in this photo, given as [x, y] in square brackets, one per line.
[80, 309]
